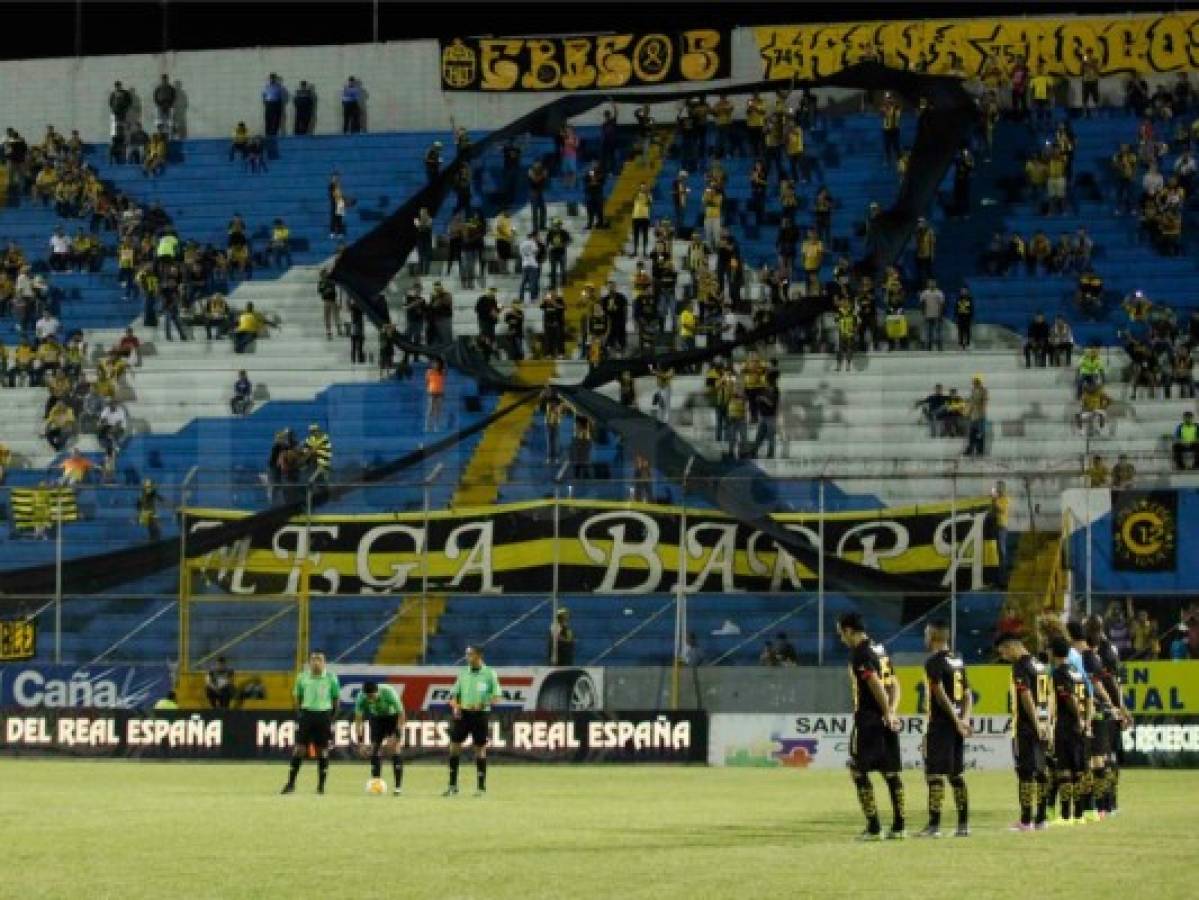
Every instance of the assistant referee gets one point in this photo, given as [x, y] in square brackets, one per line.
[317, 694]
[473, 693]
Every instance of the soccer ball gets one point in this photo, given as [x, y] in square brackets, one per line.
[376, 786]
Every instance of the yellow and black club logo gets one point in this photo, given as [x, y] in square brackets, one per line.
[459, 65]
[1145, 529]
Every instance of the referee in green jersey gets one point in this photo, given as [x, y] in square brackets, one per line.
[475, 690]
[380, 706]
[317, 694]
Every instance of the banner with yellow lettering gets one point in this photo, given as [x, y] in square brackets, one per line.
[598, 546]
[585, 62]
[1150, 688]
[1150, 43]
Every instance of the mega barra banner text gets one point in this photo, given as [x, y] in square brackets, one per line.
[607, 547]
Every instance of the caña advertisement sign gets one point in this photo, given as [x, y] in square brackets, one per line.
[581, 62]
[813, 741]
[102, 687]
[658, 737]
[614, 548]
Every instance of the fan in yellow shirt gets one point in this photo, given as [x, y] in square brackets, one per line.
[687, 327]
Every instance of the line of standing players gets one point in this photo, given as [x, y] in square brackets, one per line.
[1067, 715]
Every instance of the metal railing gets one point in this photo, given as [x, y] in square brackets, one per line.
[404, 542]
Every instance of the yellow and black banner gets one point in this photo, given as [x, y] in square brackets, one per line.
[585, 62]
[40, 507]
[1151, 43]
[608, 547]
[18, 639]
[1144, 531]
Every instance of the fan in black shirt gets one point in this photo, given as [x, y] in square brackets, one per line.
[487, 311]
[1036, 345]
[514, 321]
[553, 319]
[616, 305]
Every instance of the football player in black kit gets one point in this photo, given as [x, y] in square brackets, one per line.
[874, 744]
[1098, 743]
[1095, 734]
[946, 728]
[1033, 712]
[1120, 720]
[1072, 716]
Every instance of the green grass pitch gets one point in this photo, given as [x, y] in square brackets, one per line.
[177, 830]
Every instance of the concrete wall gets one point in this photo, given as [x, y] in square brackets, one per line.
[746, 689]
[221, 87]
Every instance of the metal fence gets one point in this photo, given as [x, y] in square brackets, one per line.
[393, 555]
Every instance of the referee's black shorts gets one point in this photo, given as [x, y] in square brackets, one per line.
[944, 751]
[315, 729]
[383, 727]
[873, 747]
[473, 724]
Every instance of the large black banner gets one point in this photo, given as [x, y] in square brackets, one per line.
[369, 264]
[585, 62]
[1170, 742]
[87, 574]
[1144, 531]
[608, 548]
[565, 737]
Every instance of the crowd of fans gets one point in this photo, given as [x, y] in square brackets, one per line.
[681, 300]
[180, 283]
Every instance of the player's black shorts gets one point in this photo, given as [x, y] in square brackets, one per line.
[1029, 753]
[1070, 752]
[1101, 740]
[314, 729]
[383, 727]
[944, 751]
[473, 725]
[873, 747]
[1115, 740]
